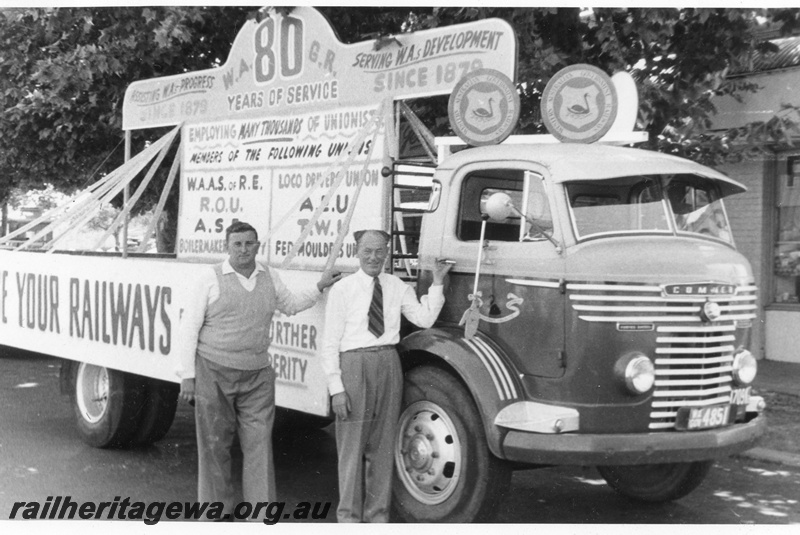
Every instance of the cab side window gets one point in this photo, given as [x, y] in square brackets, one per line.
[478, 186]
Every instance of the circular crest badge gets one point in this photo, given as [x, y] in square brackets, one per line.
[484, 107]
[579, 104]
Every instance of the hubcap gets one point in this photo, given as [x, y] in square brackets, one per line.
[91, 389]
[428, 453]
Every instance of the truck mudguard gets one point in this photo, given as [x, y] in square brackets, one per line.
[480, 364]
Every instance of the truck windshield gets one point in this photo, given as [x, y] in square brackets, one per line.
[666, 204]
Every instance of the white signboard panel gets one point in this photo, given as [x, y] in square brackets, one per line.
[265, 172]
[292, 64]
[104, 311]
[125, 314]
[294, 352]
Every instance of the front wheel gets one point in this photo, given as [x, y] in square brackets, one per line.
[445, 471]
[656, 482]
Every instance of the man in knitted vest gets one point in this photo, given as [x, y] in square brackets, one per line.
[226, 371]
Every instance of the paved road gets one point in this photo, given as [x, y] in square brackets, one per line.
[42, 455]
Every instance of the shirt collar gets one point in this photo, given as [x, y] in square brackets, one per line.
[227, 268]
[364, 279]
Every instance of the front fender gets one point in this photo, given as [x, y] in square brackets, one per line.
[481, 365]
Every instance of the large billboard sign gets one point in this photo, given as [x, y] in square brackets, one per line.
[290, 105]
[293, 63]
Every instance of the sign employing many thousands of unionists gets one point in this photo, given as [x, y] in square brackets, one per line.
[258, 170]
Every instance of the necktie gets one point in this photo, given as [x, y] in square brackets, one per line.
[375, 316]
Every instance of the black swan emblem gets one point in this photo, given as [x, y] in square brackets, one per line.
[483, 113]
[581, 110]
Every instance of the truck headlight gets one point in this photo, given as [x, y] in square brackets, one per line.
[638, 372]
[745, 367]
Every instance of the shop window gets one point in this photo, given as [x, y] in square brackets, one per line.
[787, 250]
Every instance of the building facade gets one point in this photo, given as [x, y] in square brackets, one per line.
[766, 219]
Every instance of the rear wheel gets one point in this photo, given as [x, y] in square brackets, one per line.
[158, 411]
[656, 482]
[445, 471]
[107, 405]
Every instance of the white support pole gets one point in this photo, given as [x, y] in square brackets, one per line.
[125, 197]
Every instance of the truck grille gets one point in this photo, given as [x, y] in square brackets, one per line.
[693, 359]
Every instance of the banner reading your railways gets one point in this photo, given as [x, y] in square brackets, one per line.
[125, 315]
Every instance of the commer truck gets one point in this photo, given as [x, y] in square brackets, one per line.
[597, 314]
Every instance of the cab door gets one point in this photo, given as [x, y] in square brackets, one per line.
[519, 269]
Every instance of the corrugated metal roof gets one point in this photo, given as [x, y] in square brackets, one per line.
[787, 56]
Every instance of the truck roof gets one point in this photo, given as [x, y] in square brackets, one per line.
[569, 162]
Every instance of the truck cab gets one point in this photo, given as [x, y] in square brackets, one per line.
[614, 318]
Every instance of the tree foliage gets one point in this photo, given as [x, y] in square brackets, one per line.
[680, 59]
[64, 71]
[63, 75]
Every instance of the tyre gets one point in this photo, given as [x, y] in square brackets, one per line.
[158, 411]
[444, 469]
[656, 482]
[107, 405]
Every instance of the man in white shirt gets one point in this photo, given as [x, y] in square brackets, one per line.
[362, 326]
[224, 336]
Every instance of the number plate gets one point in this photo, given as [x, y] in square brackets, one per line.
[741, 396]
[694, 418]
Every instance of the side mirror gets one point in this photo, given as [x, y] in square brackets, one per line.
[436, 196]
[499, 207]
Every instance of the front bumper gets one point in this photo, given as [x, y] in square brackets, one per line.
[633, 448]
